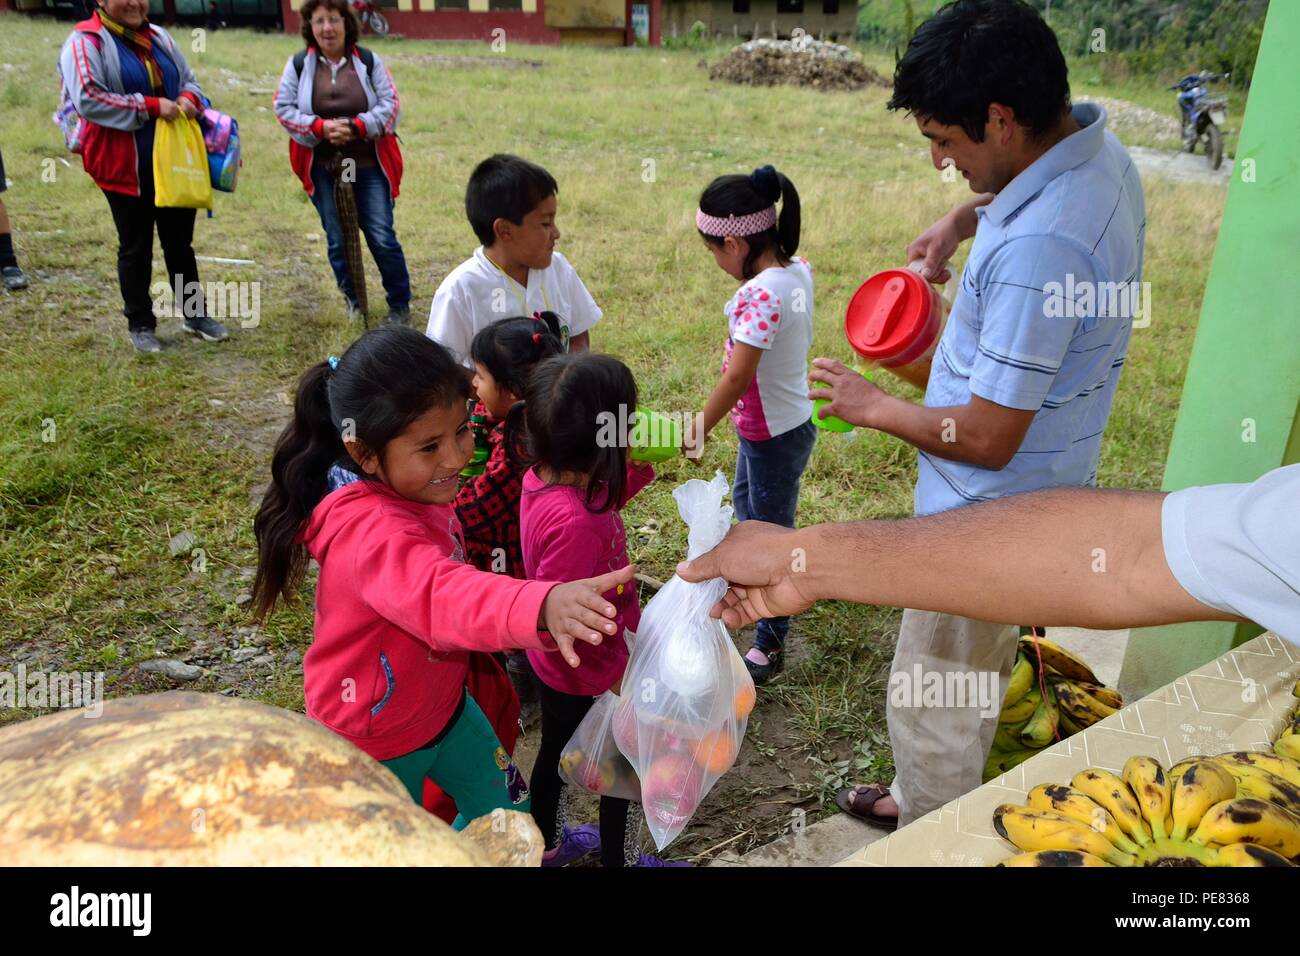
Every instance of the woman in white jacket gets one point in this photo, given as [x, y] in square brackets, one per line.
[340, 107]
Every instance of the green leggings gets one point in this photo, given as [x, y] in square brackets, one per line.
[469, 763]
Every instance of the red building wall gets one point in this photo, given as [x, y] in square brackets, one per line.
[455, 24]
[476, 25]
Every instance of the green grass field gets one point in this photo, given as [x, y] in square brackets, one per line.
[144, 449]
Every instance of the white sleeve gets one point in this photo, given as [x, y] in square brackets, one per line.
[451, 323]
[1237, 548]
[583, 311]
[757, 316]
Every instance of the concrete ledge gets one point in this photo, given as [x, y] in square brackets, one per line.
[819, 844]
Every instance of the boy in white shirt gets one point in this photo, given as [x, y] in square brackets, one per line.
[511, 205]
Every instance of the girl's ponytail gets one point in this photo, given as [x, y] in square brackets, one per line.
[787, 227]
[303, 454]
[736, 195]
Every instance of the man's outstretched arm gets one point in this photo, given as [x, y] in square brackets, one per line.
[1080, 557]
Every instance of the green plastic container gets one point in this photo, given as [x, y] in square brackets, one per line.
[654, 437]
[830, 423]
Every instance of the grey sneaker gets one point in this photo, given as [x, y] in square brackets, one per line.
[400, 316]
[14, 277]
[145, 341]
[206, 329]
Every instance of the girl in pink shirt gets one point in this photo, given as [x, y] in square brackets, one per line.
[398, 611]
[570, 529]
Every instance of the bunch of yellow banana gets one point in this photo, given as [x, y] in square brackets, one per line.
[1291, 732]
[1236, 809]
[1045, 703]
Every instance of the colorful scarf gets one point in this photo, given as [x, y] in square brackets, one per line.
[141, 42]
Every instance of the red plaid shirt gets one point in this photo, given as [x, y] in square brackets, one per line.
[488, 508]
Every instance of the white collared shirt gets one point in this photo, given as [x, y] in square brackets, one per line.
[478, 293]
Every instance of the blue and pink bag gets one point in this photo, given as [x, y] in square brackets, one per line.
[221, 137]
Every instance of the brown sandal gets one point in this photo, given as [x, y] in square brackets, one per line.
[862, 810]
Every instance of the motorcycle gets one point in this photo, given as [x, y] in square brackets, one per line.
[370, 17]
[1203, 115]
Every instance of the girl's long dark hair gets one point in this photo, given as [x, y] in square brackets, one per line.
[739, 195]
[577, 406]
[509, 350]
[386, 379]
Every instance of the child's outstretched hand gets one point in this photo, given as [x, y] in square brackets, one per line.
[577, 612]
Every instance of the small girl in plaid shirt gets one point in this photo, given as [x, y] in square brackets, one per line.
[504, 355]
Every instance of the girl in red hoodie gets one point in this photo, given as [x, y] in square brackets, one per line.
[397, 610]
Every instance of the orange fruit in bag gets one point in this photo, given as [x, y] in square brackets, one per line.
[744, 702]
[716, 752]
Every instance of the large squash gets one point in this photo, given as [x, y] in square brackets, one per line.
[200, 779]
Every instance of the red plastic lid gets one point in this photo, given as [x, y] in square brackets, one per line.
[893, 314]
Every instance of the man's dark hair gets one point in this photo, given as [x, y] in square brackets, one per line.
[972, 53]
[505, 187]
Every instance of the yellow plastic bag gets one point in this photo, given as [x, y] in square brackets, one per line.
[180, 165]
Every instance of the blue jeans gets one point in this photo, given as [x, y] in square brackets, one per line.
[767, 489]
[375, 217]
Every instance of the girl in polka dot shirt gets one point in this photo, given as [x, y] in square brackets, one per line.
[764, 382]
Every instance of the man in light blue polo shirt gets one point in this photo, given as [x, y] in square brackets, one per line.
[1025, 373]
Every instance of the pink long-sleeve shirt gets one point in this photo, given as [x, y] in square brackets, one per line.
[563, 541]
[397, 613]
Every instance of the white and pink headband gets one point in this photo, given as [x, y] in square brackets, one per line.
[733, 225]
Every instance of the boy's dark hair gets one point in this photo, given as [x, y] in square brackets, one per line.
[972, 53]
[573, 401]
[341, 7]
[739, 195]
[505, 187]
[386, 379]
[510, 350]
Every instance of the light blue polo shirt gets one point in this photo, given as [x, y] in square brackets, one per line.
[1041, 322]
[1237, 548]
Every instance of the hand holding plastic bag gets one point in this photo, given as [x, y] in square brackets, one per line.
[686, 692]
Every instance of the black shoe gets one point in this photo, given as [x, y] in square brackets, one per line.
[762, 673]
[206, 329]
[14, 277]
[145, 341]
[400, 316]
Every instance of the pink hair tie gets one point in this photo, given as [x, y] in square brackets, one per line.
[748, 225]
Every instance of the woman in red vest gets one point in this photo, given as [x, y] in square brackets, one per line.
[122, 74]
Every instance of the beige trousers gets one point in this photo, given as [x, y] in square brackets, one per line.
[945, 692]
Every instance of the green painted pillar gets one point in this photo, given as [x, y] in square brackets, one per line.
[1240, 411]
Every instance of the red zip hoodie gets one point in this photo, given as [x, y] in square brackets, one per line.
[397, 612]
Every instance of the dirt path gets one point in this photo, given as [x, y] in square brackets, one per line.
[1180, 167]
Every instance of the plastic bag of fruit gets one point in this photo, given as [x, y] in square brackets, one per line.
[591, 760]
[686, 694]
